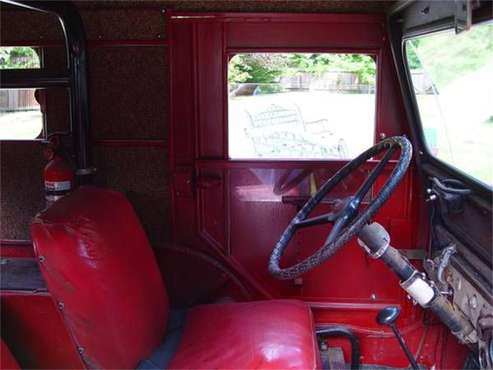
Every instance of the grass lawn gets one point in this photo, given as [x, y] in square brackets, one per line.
[22, 125]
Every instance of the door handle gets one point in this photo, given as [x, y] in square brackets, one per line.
[208, 181]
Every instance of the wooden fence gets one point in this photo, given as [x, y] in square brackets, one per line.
[344, 82]
[12, 100]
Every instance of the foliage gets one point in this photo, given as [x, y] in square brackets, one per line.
[412, 58]
[447, 56]
[18, 58]
[257, 67]
[362, 65]
[269, 67]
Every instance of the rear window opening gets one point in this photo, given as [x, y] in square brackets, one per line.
[20, 113]
[300, 105]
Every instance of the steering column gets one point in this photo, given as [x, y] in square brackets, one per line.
[375, 240]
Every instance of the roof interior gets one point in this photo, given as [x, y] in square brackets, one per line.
[280, 6]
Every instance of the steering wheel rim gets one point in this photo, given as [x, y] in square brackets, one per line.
[348, 217]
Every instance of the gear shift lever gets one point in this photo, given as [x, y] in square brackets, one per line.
[388, 316]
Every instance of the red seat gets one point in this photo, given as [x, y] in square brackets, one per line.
[275, 334]
[101, 272]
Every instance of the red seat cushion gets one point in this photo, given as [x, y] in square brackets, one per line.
[101, 272]
[277, 334]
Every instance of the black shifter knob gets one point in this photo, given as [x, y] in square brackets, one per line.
[388, 315]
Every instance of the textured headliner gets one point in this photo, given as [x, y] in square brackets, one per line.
[311, 6]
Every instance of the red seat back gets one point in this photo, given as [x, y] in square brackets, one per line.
[102, 274]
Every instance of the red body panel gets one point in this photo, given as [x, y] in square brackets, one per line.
[7, 360]
[16, 248]
[254, 335]
[101, 272]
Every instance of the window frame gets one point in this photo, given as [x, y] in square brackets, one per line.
[375, 53]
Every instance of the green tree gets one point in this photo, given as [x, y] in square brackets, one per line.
[412, 58]
[362, 65]
[18, 58]
[269, 67]
[257, 67]
[447, 56]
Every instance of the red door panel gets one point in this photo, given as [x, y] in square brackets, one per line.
[212, 196]
[304, 31]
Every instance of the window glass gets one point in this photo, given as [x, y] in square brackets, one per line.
[453, 82]
[20, 115]
[19, 57]
[300, 105]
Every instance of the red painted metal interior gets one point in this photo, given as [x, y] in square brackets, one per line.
[233, 212]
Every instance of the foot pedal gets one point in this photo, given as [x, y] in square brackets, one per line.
[336, 359]
[333, 358]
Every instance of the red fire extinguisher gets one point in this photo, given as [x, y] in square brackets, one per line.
[59, 177]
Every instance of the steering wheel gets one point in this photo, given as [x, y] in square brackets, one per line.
[347, 220]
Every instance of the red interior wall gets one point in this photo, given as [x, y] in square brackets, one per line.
[127, 49]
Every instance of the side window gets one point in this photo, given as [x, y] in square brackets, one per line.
[300, 105]
[452, 79]
[20, 112]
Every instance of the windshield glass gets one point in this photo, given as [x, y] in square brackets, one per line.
[452, 77]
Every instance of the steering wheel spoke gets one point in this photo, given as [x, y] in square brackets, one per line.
[372, 177]
[336, 230]
[317, 220]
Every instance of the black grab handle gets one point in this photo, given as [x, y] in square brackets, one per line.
[342, 331]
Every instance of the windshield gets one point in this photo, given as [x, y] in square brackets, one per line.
[452, 77]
